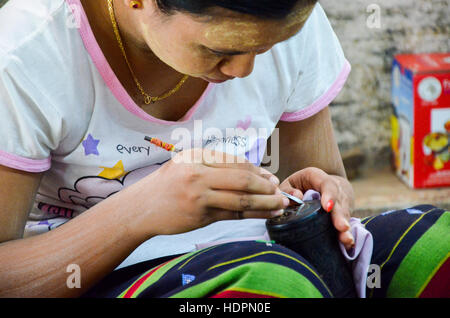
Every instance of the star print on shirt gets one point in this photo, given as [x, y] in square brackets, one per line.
[115, 172]
[90, 145]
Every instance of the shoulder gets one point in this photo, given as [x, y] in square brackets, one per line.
[22, 21]
[36, 39]
[41, 49]
[45, 72]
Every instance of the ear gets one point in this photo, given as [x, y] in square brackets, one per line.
[134, 4]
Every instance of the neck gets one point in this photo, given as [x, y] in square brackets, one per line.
[129, 29]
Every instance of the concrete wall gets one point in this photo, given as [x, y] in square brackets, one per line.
[371, 32]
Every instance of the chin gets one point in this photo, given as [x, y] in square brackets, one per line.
[213, 80]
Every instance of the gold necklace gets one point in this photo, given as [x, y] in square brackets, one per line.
[147, 98]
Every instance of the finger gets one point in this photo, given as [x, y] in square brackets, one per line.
[262, 214]
[220, 215]
[347, 239]
[339, 218]
[229, 200]
[332, 203]
[329, 191]
[309, 178]
[340, 222]
[288, 188]
[269, 176]
[238, 180]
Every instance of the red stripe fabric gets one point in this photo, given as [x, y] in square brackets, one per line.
[439, 285]
[140, 281]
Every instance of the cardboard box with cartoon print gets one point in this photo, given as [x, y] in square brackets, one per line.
[421, 121]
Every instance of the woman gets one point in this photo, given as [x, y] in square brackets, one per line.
[84, 85]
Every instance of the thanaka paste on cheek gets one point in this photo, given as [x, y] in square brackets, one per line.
[179, 55]
[162, 51]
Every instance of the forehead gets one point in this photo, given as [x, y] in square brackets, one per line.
[233, 30]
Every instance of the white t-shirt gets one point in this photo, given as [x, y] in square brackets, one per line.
[63, 111]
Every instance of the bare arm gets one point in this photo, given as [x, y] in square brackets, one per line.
[102, 237]
[96, 241]
[309, 143]
[14, 205]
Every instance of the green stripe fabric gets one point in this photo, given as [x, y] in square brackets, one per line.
[394, 234]
[421, 261]
[252, 277]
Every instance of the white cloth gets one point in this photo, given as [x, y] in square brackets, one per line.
[63, 111]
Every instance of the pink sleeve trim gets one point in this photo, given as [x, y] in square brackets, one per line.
[25, 164]
[323, 101]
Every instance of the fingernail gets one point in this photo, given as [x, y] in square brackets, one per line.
[352, 242]
[350, 235]
[346, 223]
[286, 201]
[274, 180]
[277, 213]
[330, 206]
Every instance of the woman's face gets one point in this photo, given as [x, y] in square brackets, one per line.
[216, 48]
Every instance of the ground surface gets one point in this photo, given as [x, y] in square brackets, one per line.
[380, 191]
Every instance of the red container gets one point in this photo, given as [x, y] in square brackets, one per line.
[421, 120]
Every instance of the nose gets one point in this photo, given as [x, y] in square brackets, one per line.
[238, 65]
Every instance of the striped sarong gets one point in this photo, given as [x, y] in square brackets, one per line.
[412, 248]
[411, 251]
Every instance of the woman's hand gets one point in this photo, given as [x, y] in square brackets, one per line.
[336, 192]
[186, 194]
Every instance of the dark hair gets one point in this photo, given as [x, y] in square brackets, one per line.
[269, 9]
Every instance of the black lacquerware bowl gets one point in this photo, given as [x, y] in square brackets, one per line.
[308, 230]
